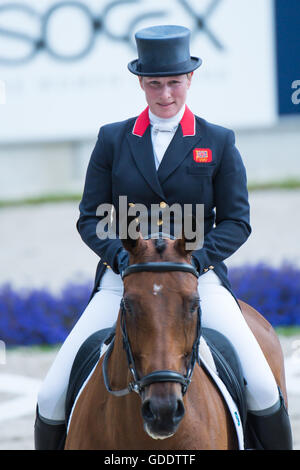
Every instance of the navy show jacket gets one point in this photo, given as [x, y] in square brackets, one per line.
[122, 163]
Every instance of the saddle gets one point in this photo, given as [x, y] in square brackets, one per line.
[85, 360]
[226, 361]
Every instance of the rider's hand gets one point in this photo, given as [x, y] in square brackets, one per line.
[195, 263]
[121, 261]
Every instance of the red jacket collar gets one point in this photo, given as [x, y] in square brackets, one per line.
[188, 123]
[141, 123]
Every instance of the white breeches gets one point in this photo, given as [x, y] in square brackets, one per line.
[219, 311]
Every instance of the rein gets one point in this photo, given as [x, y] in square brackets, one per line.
[138, 384]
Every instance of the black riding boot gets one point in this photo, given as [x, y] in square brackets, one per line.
[272, 431]
[48, 436]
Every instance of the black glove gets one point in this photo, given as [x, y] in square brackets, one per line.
[195, 263]
[121, 261]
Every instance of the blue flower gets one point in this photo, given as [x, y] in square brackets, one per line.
[274, 292]
[36, 316]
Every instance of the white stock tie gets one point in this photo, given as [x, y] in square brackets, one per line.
[162, 132]
[162, 135]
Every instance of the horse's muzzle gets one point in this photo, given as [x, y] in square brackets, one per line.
[162, 415]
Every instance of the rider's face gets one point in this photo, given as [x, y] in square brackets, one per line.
[166, 95]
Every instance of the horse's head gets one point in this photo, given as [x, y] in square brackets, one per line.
[162, 324]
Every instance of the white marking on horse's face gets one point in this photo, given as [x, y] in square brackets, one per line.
[157, 288]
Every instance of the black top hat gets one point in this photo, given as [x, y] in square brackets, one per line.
[163, 51]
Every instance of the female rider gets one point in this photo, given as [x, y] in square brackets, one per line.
[168, 155]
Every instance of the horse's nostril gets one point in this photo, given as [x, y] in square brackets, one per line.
[179, 411]
[165, 413]
[147, 412]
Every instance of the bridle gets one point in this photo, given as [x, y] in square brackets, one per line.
[138, 384]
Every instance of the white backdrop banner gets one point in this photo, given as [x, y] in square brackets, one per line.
[63, 64]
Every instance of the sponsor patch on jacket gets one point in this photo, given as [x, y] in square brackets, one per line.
[202, 155]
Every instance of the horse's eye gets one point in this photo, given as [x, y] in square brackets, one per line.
[127, 305]
[194, 305]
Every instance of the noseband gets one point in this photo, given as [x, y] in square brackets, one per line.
[138, 384]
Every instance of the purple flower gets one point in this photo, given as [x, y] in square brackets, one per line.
[36, 316]
[274, 292]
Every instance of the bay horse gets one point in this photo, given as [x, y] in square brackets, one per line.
[177, 405]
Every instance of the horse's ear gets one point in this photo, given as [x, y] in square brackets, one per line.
[180, 246]
[181, 241]
[133, 245]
